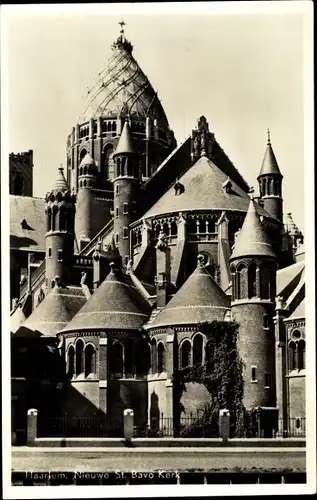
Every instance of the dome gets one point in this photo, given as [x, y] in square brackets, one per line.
[123, 89]
[200, 299]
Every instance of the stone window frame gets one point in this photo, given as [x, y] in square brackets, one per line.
[73, 346]
[254, 379]
[60, 255]
[267, 380]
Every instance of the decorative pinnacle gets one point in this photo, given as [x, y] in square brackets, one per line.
[61, 168]
[122, 24]
[112, 267]
[251, 193]
[268, 137]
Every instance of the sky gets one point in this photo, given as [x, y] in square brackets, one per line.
[243, 70]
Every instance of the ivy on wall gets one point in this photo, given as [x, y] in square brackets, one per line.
[222, 377]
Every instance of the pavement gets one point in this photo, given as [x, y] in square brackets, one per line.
[150, 459]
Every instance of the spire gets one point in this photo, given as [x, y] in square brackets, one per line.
[252, 239]
[269, 164]
[60, 183]
[125, 144]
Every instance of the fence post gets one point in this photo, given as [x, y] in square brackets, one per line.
[128, 422]
[31, 426]
[224, 424]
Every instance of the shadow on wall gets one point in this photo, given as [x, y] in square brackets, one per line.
[19, 242]
[154, 412]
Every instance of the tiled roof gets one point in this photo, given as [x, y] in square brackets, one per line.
[204, 190]
[116, 304]
[252, 239]
[199, 299]
[60, 183]
[125, 143]
[56, 310]
[269, 164]
[299, 311]
[32, 211]
[288, 278]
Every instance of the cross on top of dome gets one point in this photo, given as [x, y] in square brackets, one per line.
[122, 42]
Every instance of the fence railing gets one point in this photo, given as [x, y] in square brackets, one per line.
[75, 426]
[189, 426]
[293, 427]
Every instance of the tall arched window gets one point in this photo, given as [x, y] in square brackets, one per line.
[166, 229]
[240, 279]
[185, 354]
[108, 168]
[82, 155]
[90, 360]
[54, 217]
[49, 219]
[252, 280]
[160, 358]
[117, 361]
[301, 354]
[123, 166]
[198, 349]
[173, 228]
[79, 357]
[292, 356]
[157, 229]
[210, 354]
[154, 356]
[118, 167]
[202, 226]
[71, 361]
[62, 217]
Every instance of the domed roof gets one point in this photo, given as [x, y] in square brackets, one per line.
[252, 239]
[122, 89]
[269, 164]
[199, 299]
[125, 143]
[56, 310]
[204, 189]
[116, 304]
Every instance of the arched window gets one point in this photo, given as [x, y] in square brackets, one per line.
[292, 356]
[202, 226]
[118, 167]
[192, 226]
[198, 349]
[240, 279]
[49, 220]
[54, 216]
[154, 356]
[252, 280]
[166, 229]
[79, 357]
[210, 354]
[71, 361]
[82, 155]
[108, 167]
[301, 354]
[123, 166]
[130, 169]
[185, 354]
[173, 228]
[157, 230]
[117, 361]
[160, 358]
[62, 219]
[90, 360]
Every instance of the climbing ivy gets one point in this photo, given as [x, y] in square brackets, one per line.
[222, 377]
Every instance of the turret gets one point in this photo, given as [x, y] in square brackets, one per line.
[253, 269]
[270, 183]
[126, 186]
[59, 237]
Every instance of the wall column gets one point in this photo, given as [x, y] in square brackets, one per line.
[103, 373]
[280, 369]
[169, 361]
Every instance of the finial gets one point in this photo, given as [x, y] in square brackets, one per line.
[268, 137]
[122, 24]
[57, 281]
[112, 267]
[61, 168]
[251, 192]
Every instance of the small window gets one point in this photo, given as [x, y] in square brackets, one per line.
[125, 232]
[60, 255]
[265, 321]
[117, 190]
[298, 423]
[117, 211]
[49, 252]
[117, 238]
[125, 208]
[253, 374]
[126, 259]
[267, 380]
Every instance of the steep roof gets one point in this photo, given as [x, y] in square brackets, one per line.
[56, 310]
[116, 304]
[87, 160]
[299, 311]
[29, 236]
[269, 164]
[125, 143]
[252, 239]
[60, 183]
[204, 190]
[288, 278]
[199, 299]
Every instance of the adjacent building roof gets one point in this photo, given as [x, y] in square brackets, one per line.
[288, 278]
[269, 164]
[56, 310]
[125, 143]
[299, 312]
[116, 304]
[203, 190]
[199, 299]
[252, 239]
[30, 235]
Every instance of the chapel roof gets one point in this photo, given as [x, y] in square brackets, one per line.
[199, 299]
[56, 310]
[116, 304]
[252, 239]
[203, 190]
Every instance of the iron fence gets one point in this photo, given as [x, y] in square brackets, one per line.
[292, 427]
[74, 426]
[189, 426]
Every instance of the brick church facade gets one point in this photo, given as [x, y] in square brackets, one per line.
[139, 243]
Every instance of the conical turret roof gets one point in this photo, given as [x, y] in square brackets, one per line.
[60, 183]
[199, 299]
[252, 239]
[56, 310]
[87, 160]
[116, 304]
[125, 143]
[269, 164]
